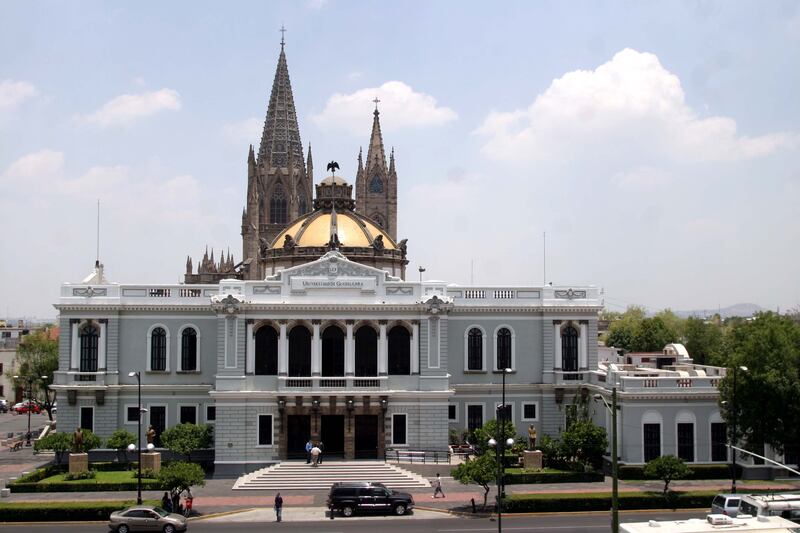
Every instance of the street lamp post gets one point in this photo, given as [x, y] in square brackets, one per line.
[499, 444]
[614, 465]
[29, 381]
[139, 438]
[735, 436]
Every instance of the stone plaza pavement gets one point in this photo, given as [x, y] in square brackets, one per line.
[217, 495]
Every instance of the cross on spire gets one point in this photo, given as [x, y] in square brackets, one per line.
[283, 31]
[377, 101]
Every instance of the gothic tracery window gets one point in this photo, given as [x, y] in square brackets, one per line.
[277, 206]
[376, 185]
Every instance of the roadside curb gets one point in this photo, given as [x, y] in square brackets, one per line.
[220, 514]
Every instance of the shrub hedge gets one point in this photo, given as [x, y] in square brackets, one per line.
[713, 471]
[542, 503]
[517, 476]
[22, 487]
[62, 511]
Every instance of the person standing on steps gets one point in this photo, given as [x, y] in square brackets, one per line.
[321, 451]
[315, 456]
[308, 451]
[278, 506]
[437, 487]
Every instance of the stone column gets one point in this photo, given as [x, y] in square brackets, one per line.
[249, 350]
[74, 356]
[316, 349]
[557, 345]
[583, 362]
[283, 350]
[101, 346]
[415, 347]
[349, 350]
[383, 350]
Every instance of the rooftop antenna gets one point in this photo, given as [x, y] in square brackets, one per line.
[544, 258]
[472, 272]
[97, 255]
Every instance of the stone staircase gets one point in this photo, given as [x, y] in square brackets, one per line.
[296, 475]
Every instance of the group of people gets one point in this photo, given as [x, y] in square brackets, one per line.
[314, 452]
[173, 504]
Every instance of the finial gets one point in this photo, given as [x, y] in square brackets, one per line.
[283, 31]
[377, 101]
[333, 166]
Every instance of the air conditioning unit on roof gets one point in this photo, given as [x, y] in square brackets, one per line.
[719, 520]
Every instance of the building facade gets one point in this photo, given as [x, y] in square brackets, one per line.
[316, 334]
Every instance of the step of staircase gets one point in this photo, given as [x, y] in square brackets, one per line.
[297, 475]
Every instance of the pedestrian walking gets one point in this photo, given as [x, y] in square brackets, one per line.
[315, 456]
[308, 451]
[437, 487]
[321, 451]
[278, 506]
[166, 503]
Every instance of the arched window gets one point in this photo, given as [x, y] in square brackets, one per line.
[475, 349]
[266, 363]
[299, 352]
[504, 349]
[399, 351]
[277, 206]
[302, 204]
[158, 349]
[569, 349]
[366, 352]
[189, 350]
[376, 185]
[378, 218]
[89, 340]
[332, 352]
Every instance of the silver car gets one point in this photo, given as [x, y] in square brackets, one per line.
[727, 504]
[146, 518]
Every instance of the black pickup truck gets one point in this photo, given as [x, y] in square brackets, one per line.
[366, 497]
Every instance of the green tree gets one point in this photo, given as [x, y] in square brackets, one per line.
[622, 329]
[178, 476]
[56, 441]
[585, 442]
[489, 431]
[481, 470]
[37, 356]
[766, 395]
[703, 340]
[652, 335]
[187, 438]
[673, 323]
[666, 468]
[119, 440]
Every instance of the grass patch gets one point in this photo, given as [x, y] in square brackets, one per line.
[601, 501]
[123, 476]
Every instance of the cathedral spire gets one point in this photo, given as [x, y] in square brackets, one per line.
[376, 157]
[310, 166]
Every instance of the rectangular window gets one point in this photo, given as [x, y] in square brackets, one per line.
[474, 417]
[507, 413]
[1, 368]
[399, 429]
[211, 413]
[452, 413]
[790, 454]
[132, 414]
[265, 430]
[719, 440]
[686, 442]
[529, 412]
[87, 418]
[651, 434]
[187, 414]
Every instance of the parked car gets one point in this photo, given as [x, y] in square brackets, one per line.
[146, 518]
[782, 504]
[361, 496]
[727, 504]
[23, 407]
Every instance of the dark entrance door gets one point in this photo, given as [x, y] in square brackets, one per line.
[158, 419]
[366, 445]
[298, 431]
[332, 435]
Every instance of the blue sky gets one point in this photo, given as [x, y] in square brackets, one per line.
[656, 143]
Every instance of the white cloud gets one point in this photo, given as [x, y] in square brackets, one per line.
[127, 108]
[41, 166]
[316, 5]
[244, 131]
[400, 105]
[629, 105]
[14, 93]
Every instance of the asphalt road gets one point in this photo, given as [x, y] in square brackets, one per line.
[568, 523]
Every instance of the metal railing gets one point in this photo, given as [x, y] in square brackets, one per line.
[418, 456]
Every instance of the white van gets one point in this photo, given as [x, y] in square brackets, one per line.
[784, 505]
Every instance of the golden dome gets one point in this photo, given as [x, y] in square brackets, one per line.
[317, 227]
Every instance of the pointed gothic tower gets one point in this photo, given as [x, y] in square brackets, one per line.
[278, 187]
[376, 184]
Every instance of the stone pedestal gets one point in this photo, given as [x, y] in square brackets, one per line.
[78, 462]
[151, 461]
[532, 460]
